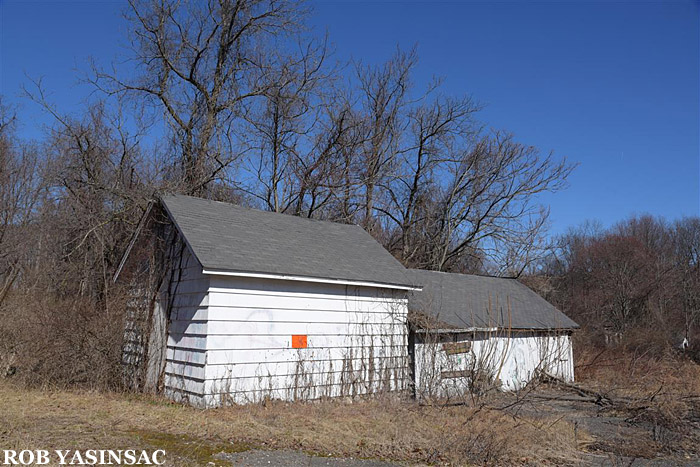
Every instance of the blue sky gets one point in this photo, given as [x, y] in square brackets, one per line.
[614, 86]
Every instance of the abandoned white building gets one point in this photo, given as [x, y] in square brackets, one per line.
[235, 305]
[472, 332]
[240, 305]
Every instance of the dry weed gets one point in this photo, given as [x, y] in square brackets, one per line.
[659, 394]
[388, 429]
[47, 341]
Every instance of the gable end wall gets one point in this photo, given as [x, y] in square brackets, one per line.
[234, 343]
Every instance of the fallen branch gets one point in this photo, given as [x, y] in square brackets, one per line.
[599, 398]
[564, 398]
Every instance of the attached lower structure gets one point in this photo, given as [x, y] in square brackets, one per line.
[449, 365]
[474, 333]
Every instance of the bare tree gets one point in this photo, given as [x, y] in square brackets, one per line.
[245, 107]
[466, 199]
[21, 185]
[634, 284]
[686, 244]
[200, 63]
[490, 200]
[324, 172]
[83, 190]
[283, 126]
[99, 185]
[384, 92]
[434, 133]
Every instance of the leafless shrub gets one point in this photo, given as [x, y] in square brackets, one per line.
[63, 342]
[634, 286]
[659, 394]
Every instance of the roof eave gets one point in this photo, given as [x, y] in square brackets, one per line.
[323, 280]
[497, 328]
[456, 330]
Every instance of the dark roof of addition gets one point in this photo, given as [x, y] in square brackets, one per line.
[226, 237]
[463, 301]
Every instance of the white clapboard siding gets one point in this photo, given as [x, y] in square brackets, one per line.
[220, 313]
[283, 368]
[358, 382]
[254, 388]
[177, 383]
[227, 342]
[193, 285]
[196, 357]
[272, 327]
[182, 341]
[513, 359]
[260, 342]
[233, 341]
[252, 366]
[289, 387]
[251, 285]
[190, 300]
[284, 355]
[189, 290]
[224, 357]
[323, 302]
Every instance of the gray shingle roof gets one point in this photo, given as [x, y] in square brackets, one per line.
[462, 301]
[232, 238]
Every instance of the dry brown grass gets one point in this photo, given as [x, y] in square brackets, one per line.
[68, 342]
[637, 373]
[661, 394]
[387, 429]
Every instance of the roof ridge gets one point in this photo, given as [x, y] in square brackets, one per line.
[488, 276]
[262, 211]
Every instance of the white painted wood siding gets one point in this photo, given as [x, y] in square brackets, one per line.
[513, 360]
[233, 344]
[186, 340]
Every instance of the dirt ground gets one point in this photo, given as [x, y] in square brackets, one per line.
[547, 426]
[609, 435]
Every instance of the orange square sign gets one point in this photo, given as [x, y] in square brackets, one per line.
[298, 341]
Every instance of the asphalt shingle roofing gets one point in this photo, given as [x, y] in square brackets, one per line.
[226, 237]
[465, 301]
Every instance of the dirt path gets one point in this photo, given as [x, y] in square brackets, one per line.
[608, 436]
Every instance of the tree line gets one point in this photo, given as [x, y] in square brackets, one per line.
[635, 284]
